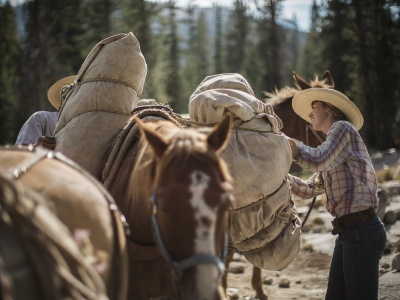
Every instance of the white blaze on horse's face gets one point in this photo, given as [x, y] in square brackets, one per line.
[205, 217]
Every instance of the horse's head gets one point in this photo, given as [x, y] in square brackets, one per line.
[191, 195]
[293, 125]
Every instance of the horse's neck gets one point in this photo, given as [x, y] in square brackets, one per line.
[138, 207]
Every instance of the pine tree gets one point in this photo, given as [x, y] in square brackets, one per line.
[218, 61]
[311, 59]
[189, 70]
[359, 50]
[98, 22]
[35, 60]
[290, 50]
[9, 77]
[270, 45]
[202, 49]
[66, 38]
[196, 61]
[173, 80]
[236, 37]
[375, 36]
[136, 16]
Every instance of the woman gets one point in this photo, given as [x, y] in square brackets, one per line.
[344, 172]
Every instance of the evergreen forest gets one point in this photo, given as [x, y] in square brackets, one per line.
[42, 41]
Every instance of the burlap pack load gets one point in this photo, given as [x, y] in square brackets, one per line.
[264, 224]
[106, 90]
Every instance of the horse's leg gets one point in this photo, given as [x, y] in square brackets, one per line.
[229, 257]
[256, 283]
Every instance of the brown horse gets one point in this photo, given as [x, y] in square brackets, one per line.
[73, 238]
[294, 126]
[178, 238]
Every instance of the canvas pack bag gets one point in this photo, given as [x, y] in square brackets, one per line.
[39, 256]
[105, 92]
[264, 224]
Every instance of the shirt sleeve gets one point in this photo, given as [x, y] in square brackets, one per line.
[30, 131]
[40, 123]
[305, 189]
[334, 151]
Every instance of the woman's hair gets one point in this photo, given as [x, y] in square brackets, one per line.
[333, 111]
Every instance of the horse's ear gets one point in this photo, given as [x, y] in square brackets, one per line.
[155, 140]
[328, 78]
[218, 138]
[301, 82]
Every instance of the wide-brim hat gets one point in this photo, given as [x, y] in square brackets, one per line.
[302, 104]
[54, 92]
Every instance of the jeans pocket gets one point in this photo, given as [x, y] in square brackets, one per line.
[379, 236]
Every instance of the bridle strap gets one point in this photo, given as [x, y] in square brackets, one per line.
[179, 267]
[308, 126]
[200, 259]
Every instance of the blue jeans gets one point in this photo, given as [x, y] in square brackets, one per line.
[354, 271]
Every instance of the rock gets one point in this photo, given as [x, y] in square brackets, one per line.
[391, 187]
[284, 283]
[396, 263]
[236, 268]
[392, 215]
[308, 247]
[389, 286]
[237, 257]
[385, 266]
[268, 280]
[232, 293]
[383, 198]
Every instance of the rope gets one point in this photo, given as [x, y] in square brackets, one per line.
[309, 211]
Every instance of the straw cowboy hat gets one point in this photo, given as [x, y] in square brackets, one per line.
[302, 104]
[54, 92]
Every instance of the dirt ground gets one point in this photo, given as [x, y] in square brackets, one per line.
[306, 277]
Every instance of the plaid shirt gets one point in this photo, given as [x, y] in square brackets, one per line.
[347, 171]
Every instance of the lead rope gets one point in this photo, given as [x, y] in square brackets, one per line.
[309, 211]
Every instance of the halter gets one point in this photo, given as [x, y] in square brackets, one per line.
[177, 268]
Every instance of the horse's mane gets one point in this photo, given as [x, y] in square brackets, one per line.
[183, 143]
[191, 142]
[281, 95]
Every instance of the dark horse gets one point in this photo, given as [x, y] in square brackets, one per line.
[295, 127]
[178, 239]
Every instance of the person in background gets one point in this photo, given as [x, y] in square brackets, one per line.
[344, 171]
[43, 123]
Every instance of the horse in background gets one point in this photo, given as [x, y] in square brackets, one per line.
[294, 126]
[178, 239]
[62, 235]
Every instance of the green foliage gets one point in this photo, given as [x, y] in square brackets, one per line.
[173, 78]
[197, 57]
[236, 38]
[66, 38]
[358, 41]
[9, 75]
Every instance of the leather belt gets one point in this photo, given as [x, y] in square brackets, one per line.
[351, 219]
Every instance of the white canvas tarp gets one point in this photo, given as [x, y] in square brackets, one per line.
[264, 224]
[106, 90]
